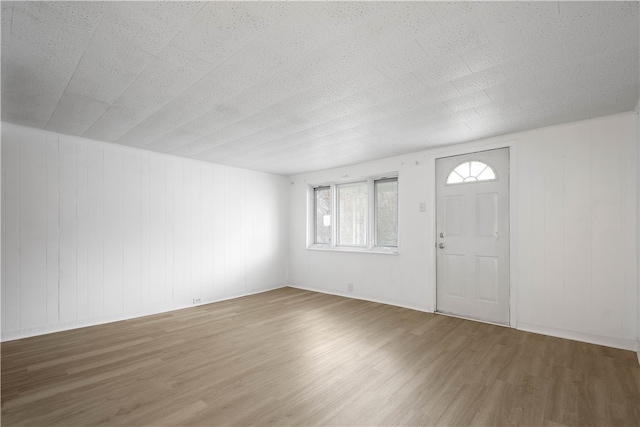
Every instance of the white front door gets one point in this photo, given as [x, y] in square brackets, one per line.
[472, 203]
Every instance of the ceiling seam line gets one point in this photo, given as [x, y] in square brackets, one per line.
[270, 141]
[266, 142]
[155, 56]
[148, 144]
[9, 41]
[238, 121]
[198, 81]
[74, 72]
[213, 109]
[210, 111]
[247, 118]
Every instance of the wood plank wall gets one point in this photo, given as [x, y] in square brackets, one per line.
[575, 232]
[96, 232]
[576, 208]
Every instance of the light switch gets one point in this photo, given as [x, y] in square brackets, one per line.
[423, 207]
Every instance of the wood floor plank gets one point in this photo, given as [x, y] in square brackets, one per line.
[293, 357]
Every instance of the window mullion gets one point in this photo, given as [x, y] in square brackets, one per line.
[334, 215]
[311, 203]
[371, 221]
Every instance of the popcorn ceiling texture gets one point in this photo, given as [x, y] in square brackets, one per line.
[291, 87]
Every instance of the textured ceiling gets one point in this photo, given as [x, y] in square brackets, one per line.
[289, 87]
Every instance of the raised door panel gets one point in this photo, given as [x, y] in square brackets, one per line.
[487, 278]
[454, 218]
[454, 275]
[486, 214]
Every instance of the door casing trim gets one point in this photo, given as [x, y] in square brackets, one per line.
[471, 148]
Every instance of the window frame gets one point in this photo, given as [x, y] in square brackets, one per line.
[370, 245]
[315, 215]
[476, 181]
[366, 213]
[374, 231]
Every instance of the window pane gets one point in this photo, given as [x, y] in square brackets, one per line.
[454, 178]
[352, 214]
[471, 172]
[476, 168]
[386, 212]
[463, 170]
[323, 214]
[487, 175]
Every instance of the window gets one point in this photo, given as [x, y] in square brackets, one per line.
[352, 214]
[473, 171]
[322, 197]
[386, 203]
[365, 212]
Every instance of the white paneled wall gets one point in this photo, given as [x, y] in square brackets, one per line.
[574, 210]
[94, 232]
[576, 239]
[637, 111]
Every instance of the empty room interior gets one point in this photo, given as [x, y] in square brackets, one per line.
[320, 213]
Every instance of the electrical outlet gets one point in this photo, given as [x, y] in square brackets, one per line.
[350, 287]
[196, 300]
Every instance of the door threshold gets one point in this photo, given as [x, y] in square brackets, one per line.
[505, 325]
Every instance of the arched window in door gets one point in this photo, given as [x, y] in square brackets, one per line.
[473, 171]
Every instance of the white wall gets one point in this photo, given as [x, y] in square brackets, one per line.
[574, 232]
[576, 239]
[398, 280]
[637, 110]
[95, 232]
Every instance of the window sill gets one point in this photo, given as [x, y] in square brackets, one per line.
[379, 250]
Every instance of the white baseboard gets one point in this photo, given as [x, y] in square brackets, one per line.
[76, 324]
[621, 343]
[417, 307]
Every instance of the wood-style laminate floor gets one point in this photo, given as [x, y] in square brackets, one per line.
[292, 357]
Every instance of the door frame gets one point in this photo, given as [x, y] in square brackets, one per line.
[470, 148]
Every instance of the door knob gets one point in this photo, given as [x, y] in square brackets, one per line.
[441, 245]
